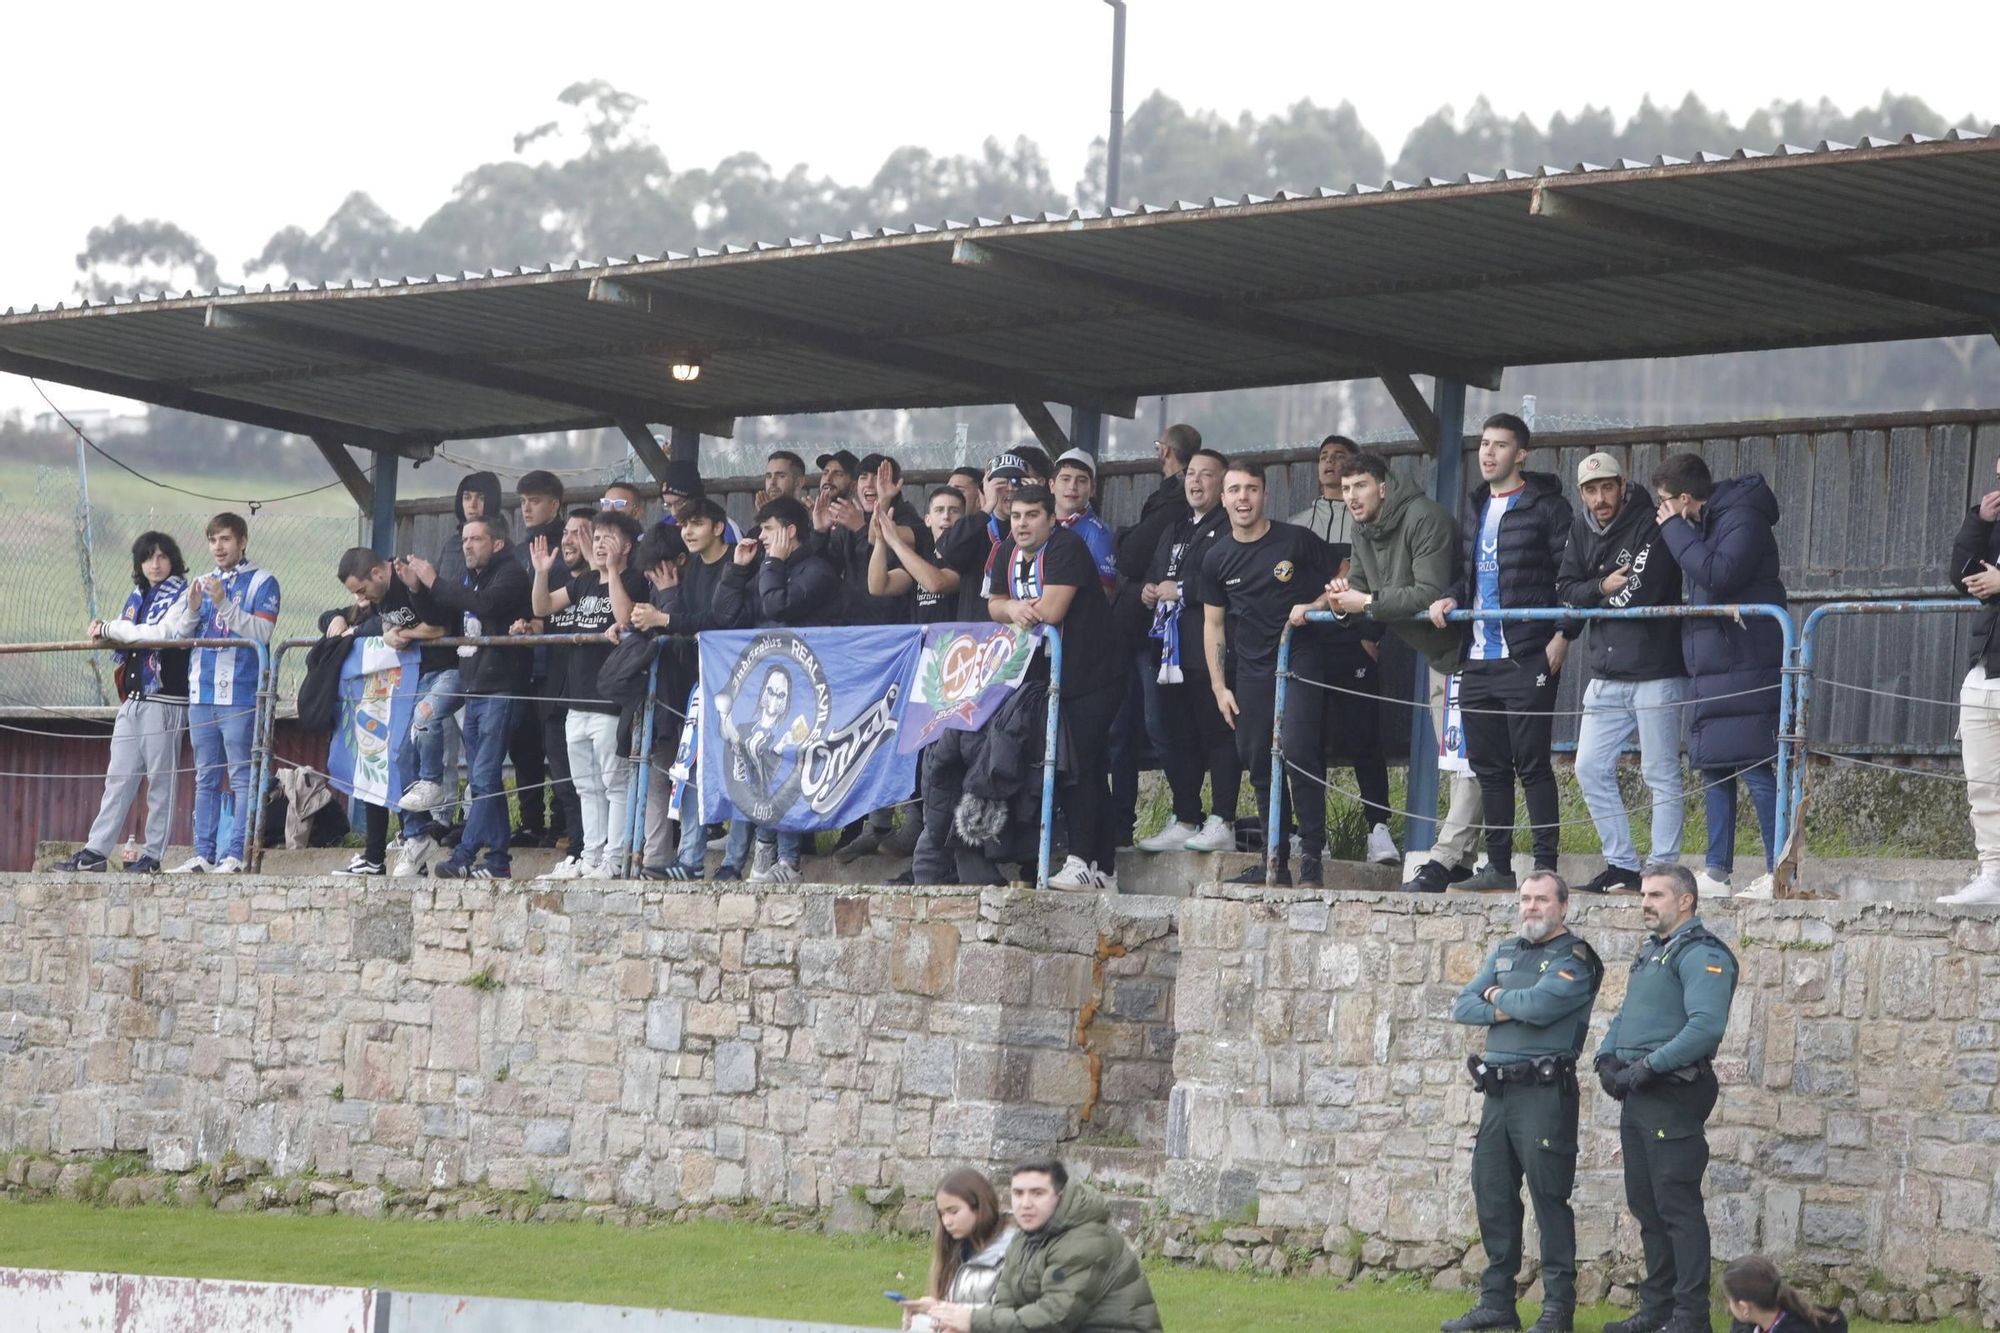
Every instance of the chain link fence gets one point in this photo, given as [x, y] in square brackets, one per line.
[71, 563]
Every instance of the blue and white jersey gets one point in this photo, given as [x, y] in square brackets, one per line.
[1098, 537]
[229, 675]
[1489, 637]
[150, 608]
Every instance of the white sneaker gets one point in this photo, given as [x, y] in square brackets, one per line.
[228, 865]
[194, 865]
[1077, 876]
[395, 844]
[785, 872]
[422, 795]
[1217, 835]
[605, 869]
[570, 867]
[1708, 886]
[1173, 838]
[1382, 848]
[1760, 887]
[415, 858]
[763, 861]
[1984, 891]
[1106, 883]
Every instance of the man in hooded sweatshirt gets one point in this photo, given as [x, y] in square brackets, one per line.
[1516, 529]
[1638, 681]
[1722, 534]
[1405, 558]
[1068, 1272]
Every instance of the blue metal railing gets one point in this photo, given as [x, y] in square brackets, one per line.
[1274, 825]
[1055, 640]
[1795, 795]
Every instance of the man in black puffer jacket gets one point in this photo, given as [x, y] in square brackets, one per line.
[1515, 529]
[1638, 681]
[1722, 534]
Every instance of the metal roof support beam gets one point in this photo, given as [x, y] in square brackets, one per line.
[1410, 401]
[455, 369]
[685, 445]
[350, 474]
[1043, 422]
[212, 405]
[1213, 310]
[640, 436]
[1574, 206]
[844, 345]
[382, 518]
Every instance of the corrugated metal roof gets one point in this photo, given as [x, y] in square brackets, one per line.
[1834, 244]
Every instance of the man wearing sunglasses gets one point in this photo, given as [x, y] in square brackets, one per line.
[623, 497]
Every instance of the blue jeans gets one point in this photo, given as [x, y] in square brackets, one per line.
[1763, 784]
[438, 698]
[790, 845]
[486, 724]
[1612, 711]
[222, 734]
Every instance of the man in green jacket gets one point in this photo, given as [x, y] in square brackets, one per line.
[1405, 557]
[1069, 1272]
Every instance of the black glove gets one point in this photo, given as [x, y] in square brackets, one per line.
[1632, 1077]
[1608, 1068]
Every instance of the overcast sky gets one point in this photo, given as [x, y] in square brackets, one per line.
[234, 120]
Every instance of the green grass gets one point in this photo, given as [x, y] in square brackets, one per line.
[720, 1267]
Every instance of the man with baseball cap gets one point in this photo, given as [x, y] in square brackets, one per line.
[1638, 680]
[683, 484]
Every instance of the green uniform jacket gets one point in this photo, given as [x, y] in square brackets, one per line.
[1407, 559]
[1548, 989]
[1075, 1275]
[1677, 1002]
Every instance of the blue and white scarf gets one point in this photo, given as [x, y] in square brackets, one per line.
[150, 608]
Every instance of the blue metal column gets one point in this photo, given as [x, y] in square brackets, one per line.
[684, 445]
[1420, 833]
[1086, 430]
[382, 520]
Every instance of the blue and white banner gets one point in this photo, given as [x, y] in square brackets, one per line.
[378, 699]
[798, 727]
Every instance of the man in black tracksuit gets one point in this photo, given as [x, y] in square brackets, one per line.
[541, 497]
[1638, 680]
[1516, 527]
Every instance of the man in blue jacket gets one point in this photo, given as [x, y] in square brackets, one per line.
[1722, 536]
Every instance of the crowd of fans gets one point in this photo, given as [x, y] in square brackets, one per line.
[1171, 628]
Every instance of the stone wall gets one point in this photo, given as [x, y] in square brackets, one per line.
[655, 1047]
[1318, 1074]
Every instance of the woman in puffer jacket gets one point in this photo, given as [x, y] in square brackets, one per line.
[972, 1239]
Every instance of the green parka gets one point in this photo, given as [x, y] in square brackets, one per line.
[1407, 559]
[1075, 1275]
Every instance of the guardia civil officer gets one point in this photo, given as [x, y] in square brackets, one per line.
[1533, 996]
[1656, 1058]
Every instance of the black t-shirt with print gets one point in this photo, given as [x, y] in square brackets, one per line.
[398, 610]
[1089, 659]
[589, 612]
[1258, 583]
[934, 608]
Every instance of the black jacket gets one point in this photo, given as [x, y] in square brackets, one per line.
[801, 589]
[1625, 649]
[495, 597]
[1533, 537]
[451, 557]
[1178, 557]
[1979, 540]
[1731, 556]
[1164, 507]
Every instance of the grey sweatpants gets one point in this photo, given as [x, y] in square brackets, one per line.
[145, 747]
[659, 837]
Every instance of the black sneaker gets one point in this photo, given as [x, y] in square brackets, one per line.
[1638, 1322]
[1255, 875]
[1490, 880]
[1479, 1318]
[865, 843]
[1683, 1323]
[1615, 879]
[1311, 876]
[1458, 874]
[729, 872]
[145, 865]
[361, 865]
[1431, 877]
[452, 868]
[83, 860]
[1554, 1319]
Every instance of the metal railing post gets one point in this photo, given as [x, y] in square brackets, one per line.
[635, 803]
[263, 744]
[1274, 831]
[1049, 751]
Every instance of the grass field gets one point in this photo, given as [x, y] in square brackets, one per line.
[721, 1267]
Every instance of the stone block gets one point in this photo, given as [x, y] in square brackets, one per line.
[1059, 1078]
[924, 957]
[547, 1138]
[664, 1023]
[929, 1066]
[994, 974]
[632, 978]
[368, 1203]
[735, 1067]
[713, 1019]
[454, 1028]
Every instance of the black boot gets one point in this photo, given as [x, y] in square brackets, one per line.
[1554, 1319]
[1480, 1318]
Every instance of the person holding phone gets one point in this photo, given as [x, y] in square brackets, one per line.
[1973, 553]
[972, 1239]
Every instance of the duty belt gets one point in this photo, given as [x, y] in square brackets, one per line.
[1546, 1070]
